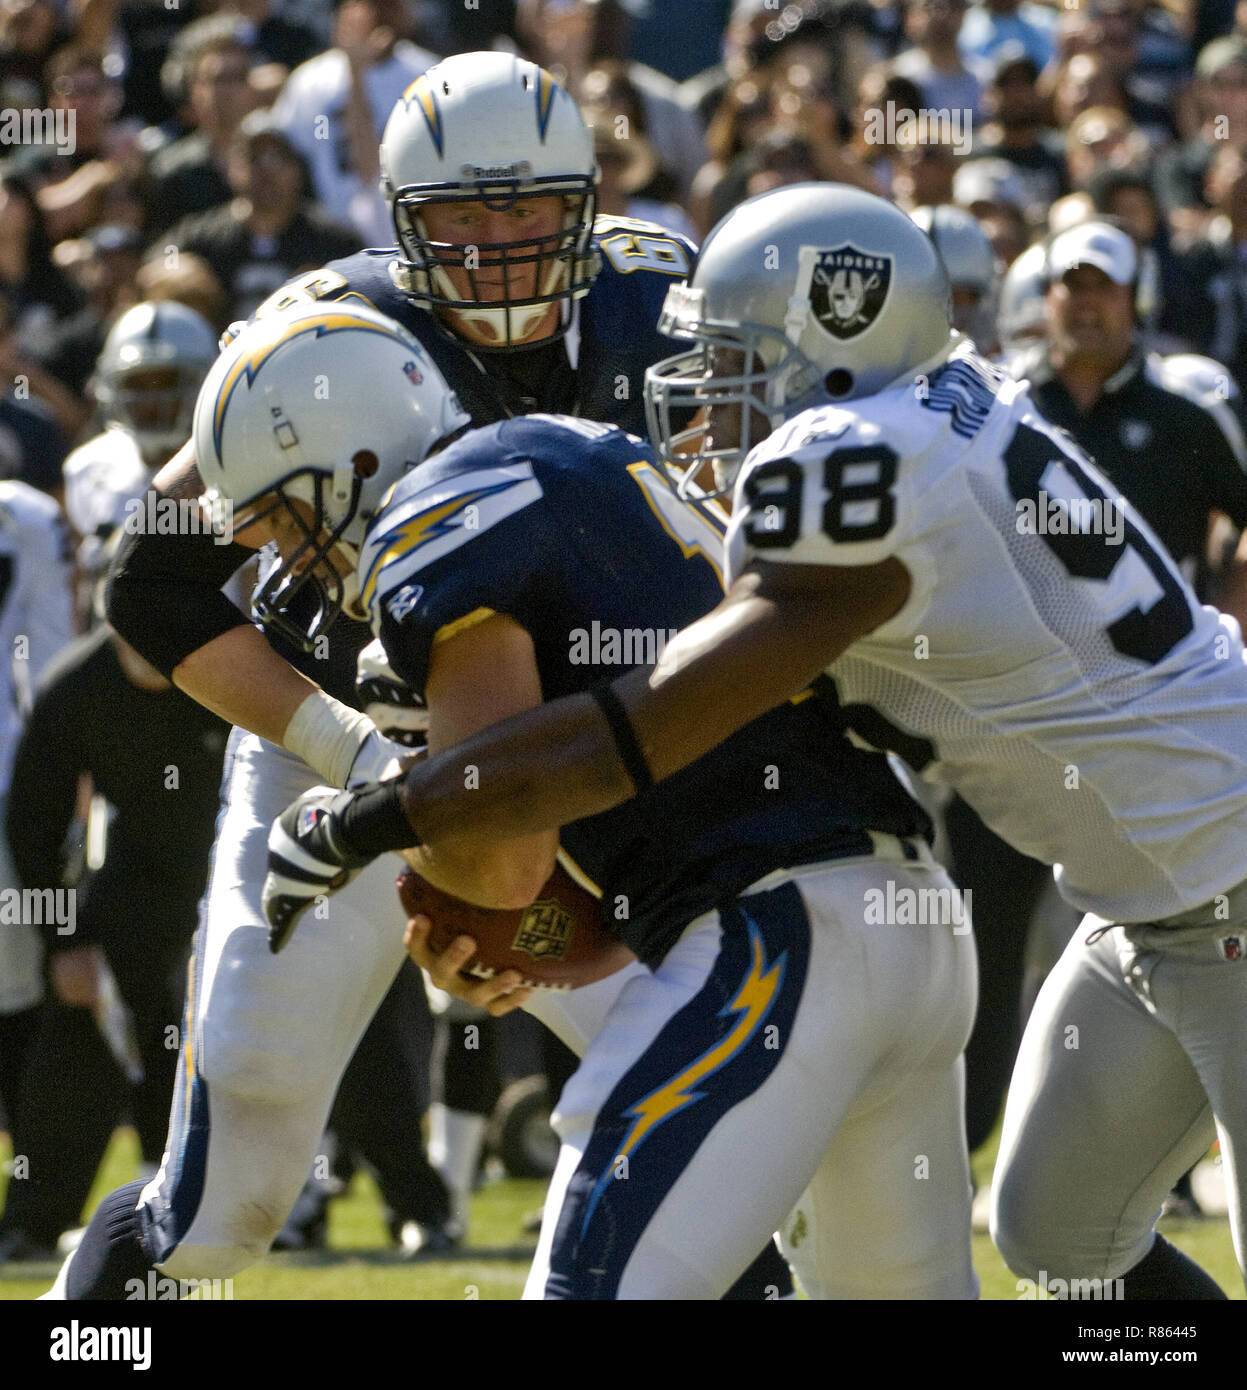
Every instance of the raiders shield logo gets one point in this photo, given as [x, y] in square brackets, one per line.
[847, 290]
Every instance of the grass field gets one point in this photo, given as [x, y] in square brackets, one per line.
[359, 1265]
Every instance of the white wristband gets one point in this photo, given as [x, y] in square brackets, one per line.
[327, 735]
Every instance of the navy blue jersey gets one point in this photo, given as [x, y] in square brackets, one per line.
[572, 530]
[617, 337]
[616, 329]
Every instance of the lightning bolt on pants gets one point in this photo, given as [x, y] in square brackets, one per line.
[785, 1049]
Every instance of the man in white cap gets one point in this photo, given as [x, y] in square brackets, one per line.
[1177, 455]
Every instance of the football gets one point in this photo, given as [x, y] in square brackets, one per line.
[555, 943]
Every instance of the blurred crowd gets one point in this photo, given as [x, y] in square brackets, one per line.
[201, 153]
[207, 152]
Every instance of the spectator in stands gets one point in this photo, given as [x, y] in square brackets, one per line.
[988, 27]
[188, 278]
[104, 264]
[1215, 267]
[274, 37]
[72, 186]
[948, 81]
[30, 32]
[1086, 80]
[335, 107]
[1220, 96]
[573, 36]
[39, 294]
[824, 44]
[982, 186]
[189, 175]
[1007, 229]
[1102, 138]
[267, 232]
[924, 175]
[448, 29]
[678, 40]
[881, 90]
[740, 121]
[608, 96]
[1015, 129]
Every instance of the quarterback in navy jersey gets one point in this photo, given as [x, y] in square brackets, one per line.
[579, 539]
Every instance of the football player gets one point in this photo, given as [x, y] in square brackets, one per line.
[988, 605]
[534, 557]
[146, 378]
[36, 622]
[527, 303]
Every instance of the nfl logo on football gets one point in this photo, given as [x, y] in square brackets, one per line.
[545, 932]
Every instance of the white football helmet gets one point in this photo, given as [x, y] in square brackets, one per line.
[972, 268]
[829, 293]
[149, 372]
[325, 406]
[493, 128]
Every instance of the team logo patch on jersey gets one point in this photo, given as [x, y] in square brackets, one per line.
[545, 931]
[1233, 947]
[401, 603]
[847, 290]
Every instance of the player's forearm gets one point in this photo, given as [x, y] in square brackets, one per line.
[240, 677]
[535, 771]
[507, 874]
[562, 761]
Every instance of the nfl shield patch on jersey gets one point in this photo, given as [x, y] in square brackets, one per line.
[1233, 947]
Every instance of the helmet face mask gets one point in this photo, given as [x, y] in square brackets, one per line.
[149, 372]
[830, 294]
[740, 382]
[505, 288]
[495, 133]
[302, 596]
[154, 404]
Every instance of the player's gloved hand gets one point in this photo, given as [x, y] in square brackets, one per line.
[378, 758]
[306, 860]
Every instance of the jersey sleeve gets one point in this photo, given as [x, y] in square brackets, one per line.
[446, 554]
[822, 491]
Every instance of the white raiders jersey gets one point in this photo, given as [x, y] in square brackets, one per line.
[1050, 664]
[36, 619]
[101, 476]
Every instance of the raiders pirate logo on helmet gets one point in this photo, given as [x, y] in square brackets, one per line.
[848, 288]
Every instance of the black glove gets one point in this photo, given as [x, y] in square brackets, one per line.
[306, 860]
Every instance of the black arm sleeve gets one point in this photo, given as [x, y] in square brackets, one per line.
[164, 594]
[44, 787]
